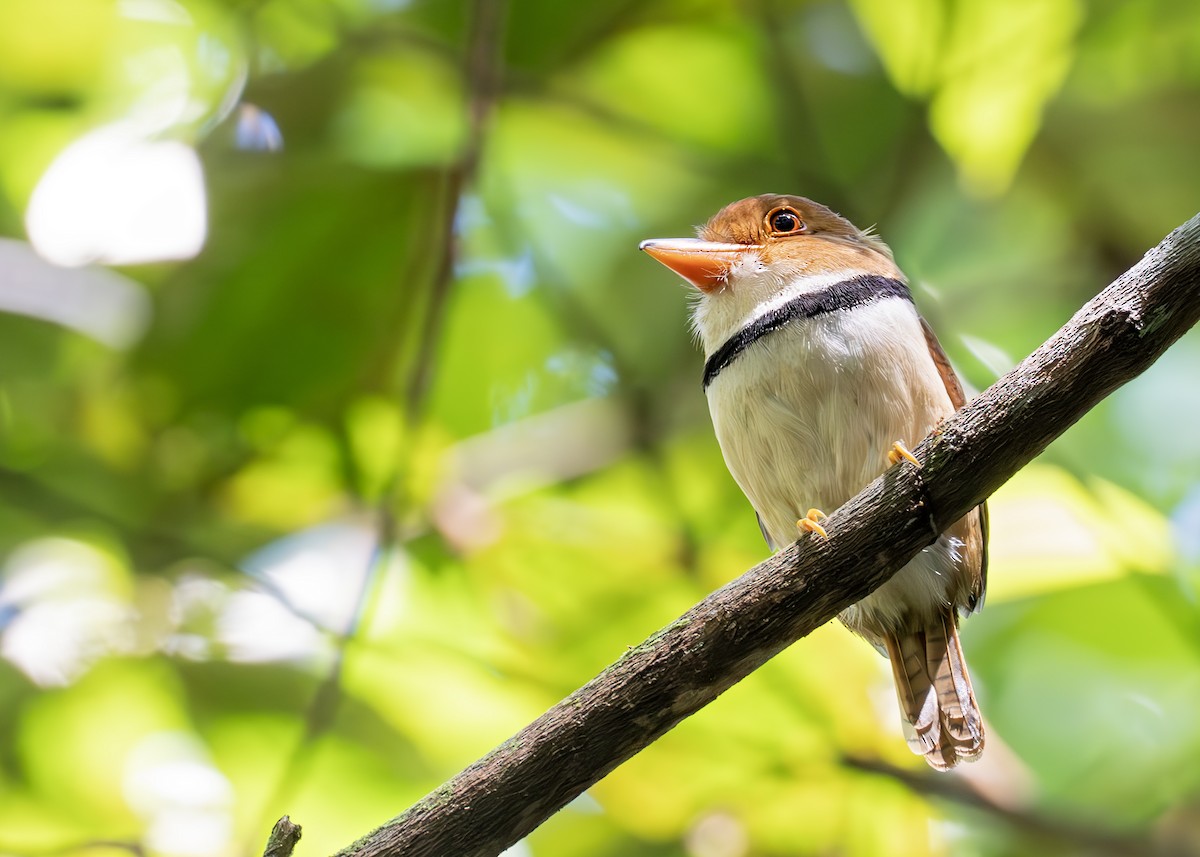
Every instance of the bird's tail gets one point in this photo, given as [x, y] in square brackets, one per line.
[943, 723]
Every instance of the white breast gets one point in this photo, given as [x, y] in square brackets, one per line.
[807, 415]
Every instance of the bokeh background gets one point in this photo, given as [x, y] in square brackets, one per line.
[343, 429]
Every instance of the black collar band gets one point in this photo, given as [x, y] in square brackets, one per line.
[845, 294]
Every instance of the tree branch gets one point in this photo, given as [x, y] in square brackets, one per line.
[283, 839]
[685, 666]
[1052, 831]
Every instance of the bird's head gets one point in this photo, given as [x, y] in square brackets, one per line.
[755, 249]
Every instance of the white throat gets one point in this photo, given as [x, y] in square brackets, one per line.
[753, 291]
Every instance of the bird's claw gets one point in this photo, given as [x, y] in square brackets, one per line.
[808, 524]
[899, 452]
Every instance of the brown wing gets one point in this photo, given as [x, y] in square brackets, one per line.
[953, 386]
[977, 521]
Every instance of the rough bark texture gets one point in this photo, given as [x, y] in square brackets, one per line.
[685, 666]
[283, 839]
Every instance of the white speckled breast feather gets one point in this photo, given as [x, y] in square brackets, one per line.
[867, 380]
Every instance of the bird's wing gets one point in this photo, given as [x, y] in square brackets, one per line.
[953, 386]
[977, 524]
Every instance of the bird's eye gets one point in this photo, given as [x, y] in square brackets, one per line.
[785, 221]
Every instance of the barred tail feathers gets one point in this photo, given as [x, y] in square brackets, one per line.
[942, 719]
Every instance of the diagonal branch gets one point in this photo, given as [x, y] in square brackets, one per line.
[685, 666]
[1052, 831]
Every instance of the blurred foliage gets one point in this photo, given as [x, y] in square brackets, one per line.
[414, 445]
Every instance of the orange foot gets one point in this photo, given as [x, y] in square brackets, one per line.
[899, 452]
[808, 524]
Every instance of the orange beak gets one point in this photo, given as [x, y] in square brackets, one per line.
[704, 264]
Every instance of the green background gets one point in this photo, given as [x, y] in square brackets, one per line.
[416, 444]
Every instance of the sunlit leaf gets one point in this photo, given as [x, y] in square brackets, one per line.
[1049, 532]
[988, 71]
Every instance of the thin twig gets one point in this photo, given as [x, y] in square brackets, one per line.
[484, 65]
[482, 75]
[283, 839]
[1095, 838]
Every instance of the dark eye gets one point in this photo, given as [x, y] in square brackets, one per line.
[785, 222]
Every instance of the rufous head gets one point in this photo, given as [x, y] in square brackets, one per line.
[779, 235]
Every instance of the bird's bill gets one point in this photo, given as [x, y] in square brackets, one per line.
[704, 264]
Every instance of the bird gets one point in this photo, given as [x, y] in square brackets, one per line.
[819, 372]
